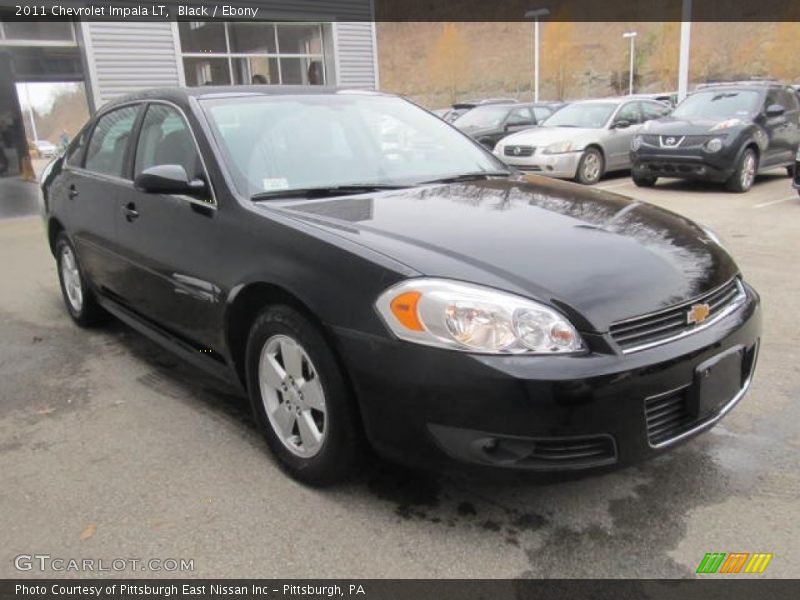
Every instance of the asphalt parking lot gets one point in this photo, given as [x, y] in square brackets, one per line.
[112, 448]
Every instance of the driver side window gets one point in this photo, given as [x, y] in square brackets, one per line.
[165, 139]
[630, 113]
[520, 116]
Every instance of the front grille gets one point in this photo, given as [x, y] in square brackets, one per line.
[657, 328]
[667, 416]
[519, 150]
[680, 141]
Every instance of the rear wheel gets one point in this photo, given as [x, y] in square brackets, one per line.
[590, 167]
[301, 399]
[78, 296]
[644, 180]
[745, 174]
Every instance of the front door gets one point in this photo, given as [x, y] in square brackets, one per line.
[170, 241]
[618, 146]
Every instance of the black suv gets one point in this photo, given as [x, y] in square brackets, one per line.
[722, 132]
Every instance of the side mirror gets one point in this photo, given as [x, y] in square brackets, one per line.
[775, 110]
[168, 179]
[621, 124]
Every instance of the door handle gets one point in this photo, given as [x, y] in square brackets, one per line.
[131, 214]
[73, 192]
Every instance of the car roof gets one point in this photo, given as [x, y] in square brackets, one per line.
[181, 95]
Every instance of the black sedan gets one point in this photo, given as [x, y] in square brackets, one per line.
[492, 122]
[726, 133]
[410, 295]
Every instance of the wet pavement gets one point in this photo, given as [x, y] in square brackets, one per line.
[111, 447]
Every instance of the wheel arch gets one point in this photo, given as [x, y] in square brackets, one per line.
[246, 303]
[54, 228]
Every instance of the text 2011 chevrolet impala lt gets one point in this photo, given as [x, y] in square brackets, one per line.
[370, 275]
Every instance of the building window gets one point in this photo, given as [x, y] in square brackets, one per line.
[245, 53]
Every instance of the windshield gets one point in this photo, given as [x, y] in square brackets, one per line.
[719, 104]
[591, 115]
[288, 142]
[482, 117]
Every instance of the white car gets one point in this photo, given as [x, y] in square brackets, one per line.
[583, 140]
[45, 149]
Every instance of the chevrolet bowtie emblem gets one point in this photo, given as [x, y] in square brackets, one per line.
[698, 313]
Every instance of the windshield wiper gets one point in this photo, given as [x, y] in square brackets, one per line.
[467, 177]
[326, 191]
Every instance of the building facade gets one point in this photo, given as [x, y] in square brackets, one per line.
[310, 42]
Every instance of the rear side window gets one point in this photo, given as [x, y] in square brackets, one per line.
[108, 145]
[166, 139]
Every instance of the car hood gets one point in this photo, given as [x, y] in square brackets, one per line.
[542, 136]
[693, 126]
[598, 256]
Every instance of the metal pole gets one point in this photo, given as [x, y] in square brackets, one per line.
[630, 74]
[536, 59]
[683, 62]
[30, 113]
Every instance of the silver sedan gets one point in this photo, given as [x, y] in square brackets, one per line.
[583, 140]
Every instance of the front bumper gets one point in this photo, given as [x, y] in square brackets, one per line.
[563, 166]
[684, 163]
[439, 408]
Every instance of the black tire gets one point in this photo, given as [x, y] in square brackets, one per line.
[590, 167]
[88, 312]
[738, 182]
[340, 455]
[790, 171]
[643, 180]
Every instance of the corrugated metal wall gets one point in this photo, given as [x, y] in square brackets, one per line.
[123, 57]
[356, 54]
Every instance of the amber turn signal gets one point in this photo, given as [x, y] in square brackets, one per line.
[404, 308]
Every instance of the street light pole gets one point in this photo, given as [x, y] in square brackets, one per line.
[535, 14]
[632, 36]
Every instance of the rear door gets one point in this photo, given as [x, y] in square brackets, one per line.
[93, 177]
[170, 242]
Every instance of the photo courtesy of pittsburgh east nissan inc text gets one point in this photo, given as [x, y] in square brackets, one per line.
[383, 300]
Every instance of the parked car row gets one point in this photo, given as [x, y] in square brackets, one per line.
[725, 132]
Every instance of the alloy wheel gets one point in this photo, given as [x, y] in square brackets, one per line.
[293, 398]
[71, 276]
[748, 171]
[591, 167]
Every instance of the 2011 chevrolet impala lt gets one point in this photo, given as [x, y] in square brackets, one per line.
[373, 277]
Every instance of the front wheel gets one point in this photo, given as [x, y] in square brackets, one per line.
[643, 180]
[590, 167]
[745, 174]
[78, 296]
[301, 399]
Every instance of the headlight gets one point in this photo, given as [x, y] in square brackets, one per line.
[559, 148]
[472, 318]
[498, 150]
[713, 145]
[636, 143]
[725, 124]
